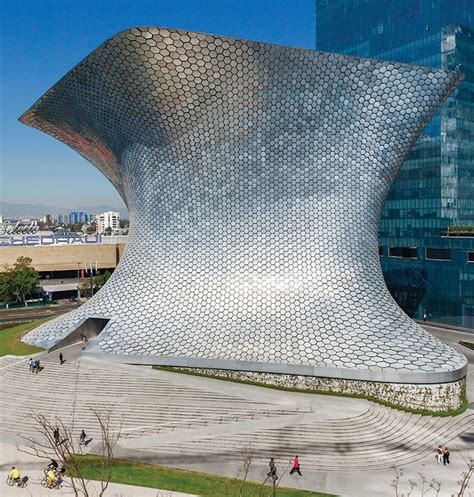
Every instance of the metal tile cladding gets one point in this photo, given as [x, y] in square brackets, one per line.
[255, 176]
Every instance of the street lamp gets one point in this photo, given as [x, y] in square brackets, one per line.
[78, 285]
[89, 266]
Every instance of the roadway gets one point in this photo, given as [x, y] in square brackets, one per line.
[22, 314]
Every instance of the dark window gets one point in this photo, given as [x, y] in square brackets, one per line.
[438, 254]
[470, 257]
[406, 252]
[380, 250]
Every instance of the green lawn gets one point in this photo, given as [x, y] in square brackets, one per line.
[205, 485]
[10, 343]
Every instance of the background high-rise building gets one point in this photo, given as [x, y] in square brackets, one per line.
[80, 217]
[108, 220]
[427, 269]
[73, 217]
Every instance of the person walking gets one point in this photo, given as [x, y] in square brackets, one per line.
[56, 435]
[30, 364]
[296, 466]
[439, 454]
[61, 358]
[82, 439]
[273, 470]
[446, 456]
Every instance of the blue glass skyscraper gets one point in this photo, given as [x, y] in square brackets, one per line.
[428, 270]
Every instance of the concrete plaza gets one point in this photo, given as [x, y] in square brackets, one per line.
[346, 446]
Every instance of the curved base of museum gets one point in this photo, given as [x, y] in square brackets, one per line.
[427, 398]
[436, 390]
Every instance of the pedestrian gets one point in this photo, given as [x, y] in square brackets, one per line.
[439, 454]
[446, 456]
[30, 364]
[82, 439]
[56, 435]
[273, 470]
[424, 316]
[296, 466]
[61, 358]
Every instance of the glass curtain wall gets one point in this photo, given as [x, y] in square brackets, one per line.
[435, 188]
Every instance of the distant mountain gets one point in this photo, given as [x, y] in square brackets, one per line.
[11, 210]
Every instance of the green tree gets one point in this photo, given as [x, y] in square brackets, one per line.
[19, 281]
[101, 278]
[6, 285]
[86, 288]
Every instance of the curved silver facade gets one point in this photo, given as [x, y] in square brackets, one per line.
[255, 176]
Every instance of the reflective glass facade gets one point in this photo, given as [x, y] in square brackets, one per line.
[435, 187]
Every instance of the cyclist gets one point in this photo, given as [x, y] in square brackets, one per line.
[15, 475]
[51, 476]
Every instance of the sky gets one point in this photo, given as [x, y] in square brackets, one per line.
[41, 40]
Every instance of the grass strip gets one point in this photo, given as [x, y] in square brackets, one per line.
[154, 476]
[10, 339]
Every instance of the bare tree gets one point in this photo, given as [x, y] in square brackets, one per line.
[466, 477]
[247, 457]
[276, 485]
[61, 446]
[424, 486]
[274, 481]
[433, 488]
[397, 480]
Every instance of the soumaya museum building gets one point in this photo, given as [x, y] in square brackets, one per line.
[426, 245]
[255, 176]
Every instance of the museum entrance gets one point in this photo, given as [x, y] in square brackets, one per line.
[87, 330]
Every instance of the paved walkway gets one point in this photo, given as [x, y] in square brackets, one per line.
[32, 467]
[346, 446]
[452, 338]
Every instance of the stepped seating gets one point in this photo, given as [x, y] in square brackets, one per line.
[136, 406]
[162, 414]
[375, 441]
[8, 360]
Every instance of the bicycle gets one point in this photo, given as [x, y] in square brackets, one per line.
[56, 483]
[19, 482]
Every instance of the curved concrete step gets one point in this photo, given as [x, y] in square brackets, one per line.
[172, 412]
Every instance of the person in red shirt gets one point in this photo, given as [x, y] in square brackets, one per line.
[296, 466]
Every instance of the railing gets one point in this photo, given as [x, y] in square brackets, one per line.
[459, 231]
